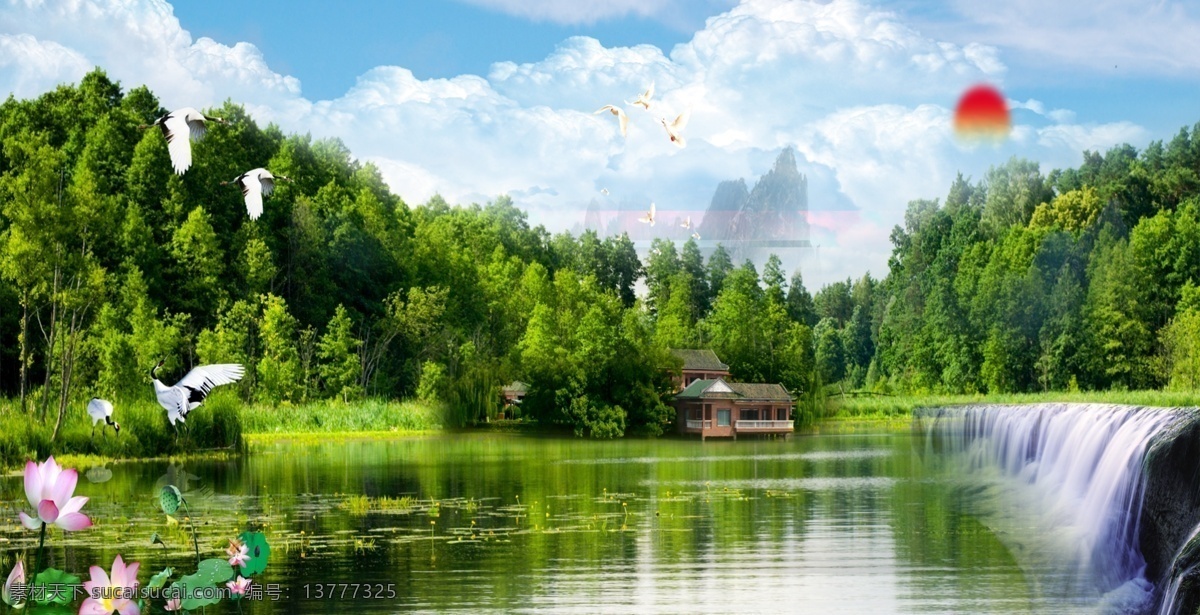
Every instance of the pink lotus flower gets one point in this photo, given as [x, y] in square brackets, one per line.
[172, 605]
[15, 588]
[49, 489]
[239, 554]
[239, 586]
[115, 592]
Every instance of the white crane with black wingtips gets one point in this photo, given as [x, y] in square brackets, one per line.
[181, 127]
[255, 184]
[187, 394]
[101, 411]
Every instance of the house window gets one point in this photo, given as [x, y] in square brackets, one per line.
[749, 414]
[781, 414]
[723, 417]
[695, 414]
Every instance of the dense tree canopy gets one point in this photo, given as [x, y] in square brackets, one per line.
[109, 261]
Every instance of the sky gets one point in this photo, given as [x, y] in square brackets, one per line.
[472, 99]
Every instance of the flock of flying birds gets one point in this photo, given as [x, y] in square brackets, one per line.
[674, 130]
[180, 128]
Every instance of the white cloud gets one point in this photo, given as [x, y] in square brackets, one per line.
[29, 66]
[1099, 137]
[141, 41]
[854, 89]
[1061, 116]
[1104, 35]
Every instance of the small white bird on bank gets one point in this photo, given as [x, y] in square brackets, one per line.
[181, 127]
[255, 184]
[649, 217]
[687, 223]
[643, 99]
[619, 112]
[187, 394]
[675, 128]
[101, 410]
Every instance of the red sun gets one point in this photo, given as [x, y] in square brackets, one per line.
[982, 113]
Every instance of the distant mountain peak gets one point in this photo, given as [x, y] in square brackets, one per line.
[776, 208]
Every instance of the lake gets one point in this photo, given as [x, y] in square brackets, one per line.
[862, 523]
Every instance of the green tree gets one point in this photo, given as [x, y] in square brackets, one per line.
[719, 267]
[338, 355]
[199, 266]
[279, 370]
[830, 353]
[1181, 342]
[799, 302]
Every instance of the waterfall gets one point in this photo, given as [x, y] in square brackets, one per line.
[1169, 604]
[1075, 469]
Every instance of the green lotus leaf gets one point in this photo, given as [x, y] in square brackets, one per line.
[194, 593]
[170, 498]
[159, 579]
[53, 586]
[259, 551]
[214, 571]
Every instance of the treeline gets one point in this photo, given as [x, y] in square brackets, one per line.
[1079, 279]
[109, 262]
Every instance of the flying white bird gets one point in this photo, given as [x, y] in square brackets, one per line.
[643, 99]
[254, 184]
[101, 410]
[187, 394]
[695, 235]
[604, 191]
[676, 127]
[687, 223]
[181, 127]
[619, 112]
[649, 217]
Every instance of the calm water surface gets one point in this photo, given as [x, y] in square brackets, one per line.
[473, 523]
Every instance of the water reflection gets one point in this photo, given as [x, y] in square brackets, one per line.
[824, 524]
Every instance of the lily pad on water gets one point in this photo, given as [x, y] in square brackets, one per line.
[214, 571]
[53, 586]
[259, 550]
[98, 474]
[202, 588]
[170, 498]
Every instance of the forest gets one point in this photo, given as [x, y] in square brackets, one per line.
[1022, 281]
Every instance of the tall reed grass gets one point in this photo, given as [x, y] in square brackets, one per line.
[337, 416]
[145, 431]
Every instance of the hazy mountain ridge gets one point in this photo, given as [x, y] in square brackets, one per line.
[776, 208]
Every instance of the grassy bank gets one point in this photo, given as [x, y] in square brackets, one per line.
[372, 416]
[220, 427]
[887, 408]
[145, 432]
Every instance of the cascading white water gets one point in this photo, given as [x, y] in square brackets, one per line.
[1171, 592]
[1076, 468]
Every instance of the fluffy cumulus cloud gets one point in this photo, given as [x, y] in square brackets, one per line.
[860, 95]
[29, 66]
[141, 41]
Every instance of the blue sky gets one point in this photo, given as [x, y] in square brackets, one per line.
[327, 47]
[475, 98]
